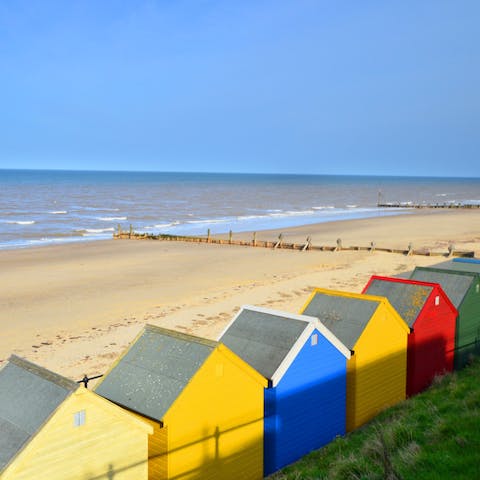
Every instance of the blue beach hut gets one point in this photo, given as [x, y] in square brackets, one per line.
[305, 365]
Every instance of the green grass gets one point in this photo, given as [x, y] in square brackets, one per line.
[434, 435]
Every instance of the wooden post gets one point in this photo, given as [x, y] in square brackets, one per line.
[119, 228]
[254, 241]
[208, 236]
[307, 244]
[339, 245]
[130, 232]
[410, 249]
[372, 247]
[451, 248]
[279, 242]
[230, 235]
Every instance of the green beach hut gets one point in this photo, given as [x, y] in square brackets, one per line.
[463, 289]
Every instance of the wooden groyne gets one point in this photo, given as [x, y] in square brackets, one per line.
[428, 205]
[281, 244]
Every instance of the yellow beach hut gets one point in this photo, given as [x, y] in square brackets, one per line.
[52, 428]
[377, 337]
[204, 403]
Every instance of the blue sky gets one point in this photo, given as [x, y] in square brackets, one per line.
[334, 87]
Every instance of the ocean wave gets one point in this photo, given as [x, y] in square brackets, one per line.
[111, 219]
[167, 225]
[94, 230]
[351, 206]
[20, 222]
[58, 212]
[161, 225]
[323, 207]
[99, 230]
[212, 220]
[292, 213]
[251, 217]
[99, 209]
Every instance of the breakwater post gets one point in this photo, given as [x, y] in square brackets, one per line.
[281, 244]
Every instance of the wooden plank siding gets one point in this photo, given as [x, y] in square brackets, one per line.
[215, 427]
[431, 345]
[157, 448]
[431, 316]
[375, 333]
[377, 372]
[468, 328]
[306, 410]
[111, 444]
[463, 289]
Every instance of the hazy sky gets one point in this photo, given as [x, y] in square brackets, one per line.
[348, 87]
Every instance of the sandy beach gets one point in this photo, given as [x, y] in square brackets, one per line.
[74, 308]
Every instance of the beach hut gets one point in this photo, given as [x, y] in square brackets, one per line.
[376, 335]
[52, 428]
[204, 403]
[306, 370]
[463, 290]
[474, 261]
[431, 316]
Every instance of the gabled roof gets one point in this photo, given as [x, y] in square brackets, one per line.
[29, 395]
[454, 284]
[346, 315]
[154, 370]
[407, 297]
[470, 266]
[269, 340]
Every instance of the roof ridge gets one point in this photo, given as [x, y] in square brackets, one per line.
[402, 281]
[180, 335]
[44, 373]
[448, 271]
[349, 295]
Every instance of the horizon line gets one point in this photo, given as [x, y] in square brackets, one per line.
[77, 170]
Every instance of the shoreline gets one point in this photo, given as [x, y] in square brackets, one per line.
[74, 307]
[368, 212]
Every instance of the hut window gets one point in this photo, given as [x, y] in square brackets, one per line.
[437, 300]
[314, 339]
[79, 418]
[219, 370]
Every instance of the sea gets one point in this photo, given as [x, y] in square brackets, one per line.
[42, 207]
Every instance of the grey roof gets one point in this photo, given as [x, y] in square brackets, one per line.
[455, 285]
[470, 267]
[346, 317]
[29, 394]
[263, 339]
[406, 298]
[154, 371]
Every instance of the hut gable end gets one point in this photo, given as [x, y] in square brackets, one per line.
[264, 339]
[345, 316]
[29, 395]
[455, 285]
[407, 298]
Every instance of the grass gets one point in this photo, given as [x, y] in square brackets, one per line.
[434, 435]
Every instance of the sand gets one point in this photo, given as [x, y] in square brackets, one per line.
[74, 308]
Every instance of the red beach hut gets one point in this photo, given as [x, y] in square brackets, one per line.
[431, 317]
